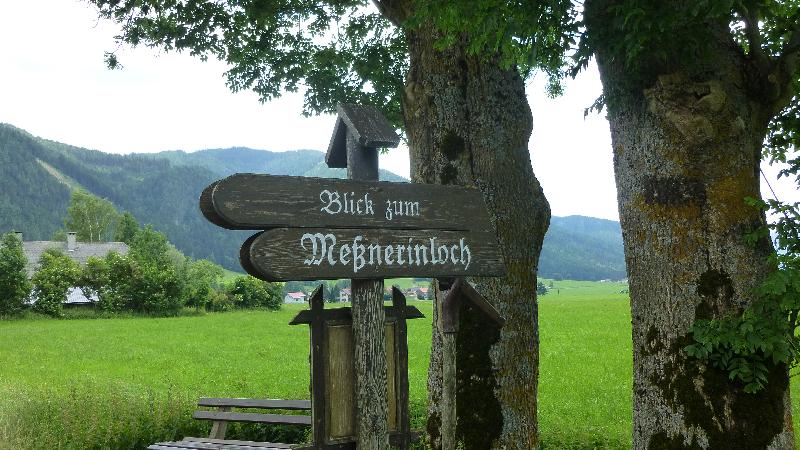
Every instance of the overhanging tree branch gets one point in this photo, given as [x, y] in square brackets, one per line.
[753, 34]
[787, 67]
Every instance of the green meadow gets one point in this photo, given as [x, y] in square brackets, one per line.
[127, 382]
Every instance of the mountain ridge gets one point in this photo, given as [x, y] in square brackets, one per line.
[37, 175]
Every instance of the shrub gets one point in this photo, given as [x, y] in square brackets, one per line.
[250, 292]
[56, 275]
[14, 285]
[219, 302]
[202, 282]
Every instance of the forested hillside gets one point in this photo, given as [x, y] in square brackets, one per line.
[36, 176]
[582, 248]
[226, 161]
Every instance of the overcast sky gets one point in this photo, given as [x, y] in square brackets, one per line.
[54, 84]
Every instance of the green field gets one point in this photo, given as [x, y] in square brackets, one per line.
[112, 383]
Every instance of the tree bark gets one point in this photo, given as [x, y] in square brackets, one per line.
[468, 123]
[687, 144]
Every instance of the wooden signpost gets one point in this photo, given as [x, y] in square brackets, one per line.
[318, 254]
[360, 229]
[332, 368]
[249, 201]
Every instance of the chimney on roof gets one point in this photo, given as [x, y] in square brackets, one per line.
[72, 241]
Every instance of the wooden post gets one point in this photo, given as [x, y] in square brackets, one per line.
[369, 334]
[318, 402]
[401, 339]
[457, 293]
[372, 430]
[449, 330]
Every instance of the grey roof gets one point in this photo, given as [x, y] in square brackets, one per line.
[82, 252]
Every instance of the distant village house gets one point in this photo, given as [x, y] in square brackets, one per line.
[419, 293]
[295, 297]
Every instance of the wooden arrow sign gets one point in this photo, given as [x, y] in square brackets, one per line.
[285, 254]
[257, 202]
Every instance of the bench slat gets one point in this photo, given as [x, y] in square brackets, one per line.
[295, 405]
[222, 445]
[252, 417]
[235, 442]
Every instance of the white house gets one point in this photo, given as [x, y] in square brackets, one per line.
[79, 252]
[294, 297]
[344, 295]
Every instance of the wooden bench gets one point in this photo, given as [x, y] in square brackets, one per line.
[216, 439]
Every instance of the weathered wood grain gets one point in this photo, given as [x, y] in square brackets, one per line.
[251, 201]
[340, 382]
[391, 374]
[400, 311]
[369, 346]
[252, 417]
[318, 368]
[286, 254]
[297, 405]
[306, 316]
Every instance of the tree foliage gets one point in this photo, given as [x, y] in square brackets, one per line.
[336, 50]
[51, 283]
[203, 280]
[14, 285]
[91, 217]
[656, 37]
[126, 228]
[249, 292]
[340, 51]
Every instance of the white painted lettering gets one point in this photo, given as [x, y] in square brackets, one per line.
[323, 248]
[358, 254]
[319, 247]
[331, 201]
[344, 254]
[387, 255]
[433, 251]
[374, 254]
[465, 249]
[389, 210]
[412, 208]
[369, 210]
[442, 259]
[421, 249]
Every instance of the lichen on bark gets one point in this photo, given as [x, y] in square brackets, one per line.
[468, 123]
[687, 138]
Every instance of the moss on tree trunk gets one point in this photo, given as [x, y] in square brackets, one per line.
[687, 144]
[468, 123]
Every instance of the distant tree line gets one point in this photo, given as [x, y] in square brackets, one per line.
[153, 278]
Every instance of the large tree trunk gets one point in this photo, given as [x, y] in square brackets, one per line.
[687, 143]
[468, 123]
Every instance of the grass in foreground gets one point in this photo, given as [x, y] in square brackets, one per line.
[127, 382]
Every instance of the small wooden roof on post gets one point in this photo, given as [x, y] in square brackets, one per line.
[463, 291]
[368, 127]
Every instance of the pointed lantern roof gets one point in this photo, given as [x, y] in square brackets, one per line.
[368, 125]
